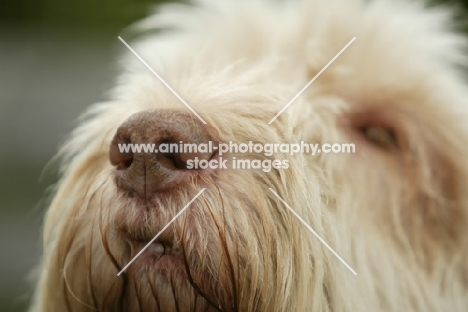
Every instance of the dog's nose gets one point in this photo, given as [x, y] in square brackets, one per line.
[148, 153]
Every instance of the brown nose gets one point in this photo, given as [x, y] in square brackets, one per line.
[157, 168]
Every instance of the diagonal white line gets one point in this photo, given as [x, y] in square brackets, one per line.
[162, 230]
[162, 80]
[313, 232]
[313, 79]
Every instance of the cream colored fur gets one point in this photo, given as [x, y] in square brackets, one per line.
[398, 217]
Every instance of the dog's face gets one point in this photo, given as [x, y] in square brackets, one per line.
[395, 210]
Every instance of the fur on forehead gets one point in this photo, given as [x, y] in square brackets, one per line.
[244, 74]
[203, 52]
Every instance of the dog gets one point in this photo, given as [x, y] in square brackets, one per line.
[142, 231]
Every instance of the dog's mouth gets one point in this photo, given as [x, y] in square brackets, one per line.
[160, 254]
[159, 248]
[164, 244]
[137, 226]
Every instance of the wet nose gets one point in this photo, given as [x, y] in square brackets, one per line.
[146, 150]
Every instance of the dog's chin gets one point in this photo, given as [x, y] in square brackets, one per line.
[159, 256]
[157, 281]
[169, 272]
[160, 267]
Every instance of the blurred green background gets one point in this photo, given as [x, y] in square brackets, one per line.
[56, 58]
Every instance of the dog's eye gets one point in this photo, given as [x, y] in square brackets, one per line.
[381, 136]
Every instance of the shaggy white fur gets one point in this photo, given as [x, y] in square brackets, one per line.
[396, 210]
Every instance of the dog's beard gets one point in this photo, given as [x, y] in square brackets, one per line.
[236, 248]
[220, 254]
[171, 274]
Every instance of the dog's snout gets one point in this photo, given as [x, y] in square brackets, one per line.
[152, 150]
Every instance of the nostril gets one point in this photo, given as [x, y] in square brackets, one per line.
[171, 158]
[176, 160]
[125, 163]
[119, 156]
